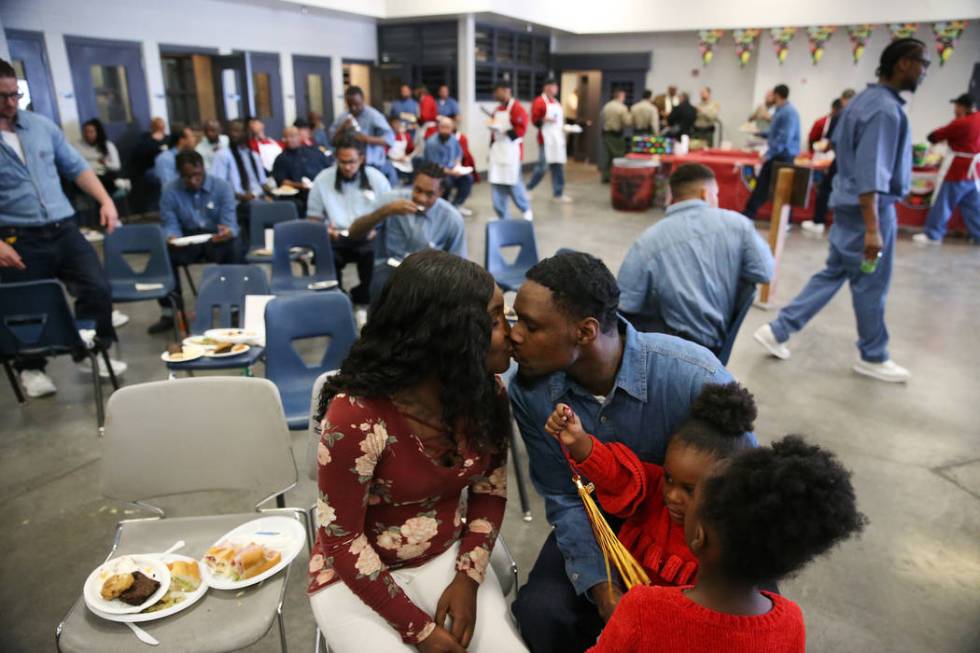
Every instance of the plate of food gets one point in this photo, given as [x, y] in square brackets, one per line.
[252, 552]
[126, 585]
[182, 353]
[196, 239]
[572, 129]
[285, 191]
[225, 349]
[234, 336]
[202, 342]
[186, 589]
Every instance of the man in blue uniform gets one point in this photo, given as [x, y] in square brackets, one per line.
[874, 168]
[783, 137]
[369, 126]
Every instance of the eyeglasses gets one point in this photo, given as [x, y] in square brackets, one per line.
[922, 60]
[10, 96]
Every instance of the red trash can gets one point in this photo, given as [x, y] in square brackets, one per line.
[632, 185]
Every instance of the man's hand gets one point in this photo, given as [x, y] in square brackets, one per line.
[108, 216]
[400, 206]
[458, 601]
[872, 245]
[606, 597]
[439, 641]
[9, 258]
[565, 426]
[246, 197]
[224, 233]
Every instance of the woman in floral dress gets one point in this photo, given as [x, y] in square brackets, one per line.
[416, 416]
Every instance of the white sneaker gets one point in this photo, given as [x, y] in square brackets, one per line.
[562, 199]
[36, 383]
[887, 371]
[529, 215]
[765, 337]
[360, 318]
[92, 236]
[922, 239]
[119, 367]
[463, 211]
[812, 227]
[119, 318]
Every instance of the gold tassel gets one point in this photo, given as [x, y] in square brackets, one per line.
[629, 569]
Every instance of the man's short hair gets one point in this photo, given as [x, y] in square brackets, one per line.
[6, 70]
[647, 94]
[352, 91]
[347, 142]
[189, 157]
[581, 286]
[836, 104]
[848, 94]
[781, 90]
[431, 169]
[502, 84]
[301, 123]
[688, 175]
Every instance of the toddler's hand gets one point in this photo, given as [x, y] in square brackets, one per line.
[565, 426]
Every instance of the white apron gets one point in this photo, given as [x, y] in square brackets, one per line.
[948, 163]
[395, 154]
[553, 133]
[505, 154]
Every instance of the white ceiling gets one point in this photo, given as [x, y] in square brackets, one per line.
[617, 16]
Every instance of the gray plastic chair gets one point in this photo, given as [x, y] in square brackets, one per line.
[170, 438]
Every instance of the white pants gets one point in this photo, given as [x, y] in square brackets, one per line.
[350, 626]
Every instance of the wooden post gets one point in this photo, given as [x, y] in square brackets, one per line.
[777, 229]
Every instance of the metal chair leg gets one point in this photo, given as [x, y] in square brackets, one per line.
[179, 317]
[282, 629]
[14, 382]
[112, 372]
[97, 388]
[190, 279]
[515, 456]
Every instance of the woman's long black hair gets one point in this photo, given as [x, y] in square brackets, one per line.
[431, 318]
[100, 137]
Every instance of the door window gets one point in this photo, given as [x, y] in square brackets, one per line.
[111, 89]
[23, 87]
[314, 93]
[263, 95]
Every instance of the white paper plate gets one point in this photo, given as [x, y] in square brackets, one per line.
[190, 354]
[196, 239]
[463, 170]
[189, 599]
[572, 129]
[284, 534]
[197, 341]
[152, 567]
[210, 353]
[233, 336]
[285, 191]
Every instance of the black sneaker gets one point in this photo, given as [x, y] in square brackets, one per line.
[165, 323]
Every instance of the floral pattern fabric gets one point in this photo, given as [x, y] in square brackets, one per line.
[383, 503]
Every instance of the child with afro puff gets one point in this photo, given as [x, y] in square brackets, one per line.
[653, 499]
[761, 515]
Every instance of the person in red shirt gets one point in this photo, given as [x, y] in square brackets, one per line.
[268, 149]
[761, 515]
[961, 185]
[507, 128]
[821, 127]
[653, 499]
[428, 111]
[548, 116]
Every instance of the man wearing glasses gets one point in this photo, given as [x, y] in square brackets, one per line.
[874, 170]
[39, 236]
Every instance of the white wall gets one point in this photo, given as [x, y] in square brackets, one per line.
[675, 59]
[201, 23]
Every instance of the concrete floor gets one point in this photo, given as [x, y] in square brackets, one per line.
[910, 584]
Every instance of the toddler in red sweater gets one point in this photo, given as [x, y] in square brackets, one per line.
[653, 499]
[757, 517]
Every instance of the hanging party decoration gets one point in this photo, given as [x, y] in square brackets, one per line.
[745, 41]
[859, 35]
[818, 36]
[706, 44]
[903, 30]
[781, 36]
[947, 34]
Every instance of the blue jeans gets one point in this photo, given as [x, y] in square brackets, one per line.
[463, 186]
[500, 192]
[557, 174]
[868, 291]
[952, 194]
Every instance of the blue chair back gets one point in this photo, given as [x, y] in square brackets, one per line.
[506, 233]
[306, 315]
[265, 215]
[744, 297]
[137, 239]
[224, 287]
[301, 233]
[35, 318]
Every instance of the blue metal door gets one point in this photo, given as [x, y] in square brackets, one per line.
[312, 81]
[266, 87]
[30, 59]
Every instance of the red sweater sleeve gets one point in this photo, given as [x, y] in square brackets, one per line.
[816, 131]
[949, 132]
[428, 109]
[518, 119]
[621, 479]
[354, 440]
[538, 111]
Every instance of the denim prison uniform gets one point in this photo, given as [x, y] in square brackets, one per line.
[658, 379]
[783, 137]
[441, 227]
[683, 274]
[373, 123]
[36, 220]
[874, 155]
[165, 167]
[448, 154]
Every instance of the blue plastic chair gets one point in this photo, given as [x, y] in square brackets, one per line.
[262, 216]
[506, 233]
[301, 233]
[744, 296]
[140, 239]
[35, 319]
[306, 315]
[223, 287]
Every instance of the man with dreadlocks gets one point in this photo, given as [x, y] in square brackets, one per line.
[874, 169]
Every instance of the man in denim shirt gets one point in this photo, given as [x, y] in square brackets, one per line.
[783, 137]
[629, 387]
[368, 126]
[39, 237]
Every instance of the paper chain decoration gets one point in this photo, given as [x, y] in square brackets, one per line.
[903, 30]
[859, 37]
[745, 41]
[947, 33]
[781, 36]
[818, 36]
[706, 45]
